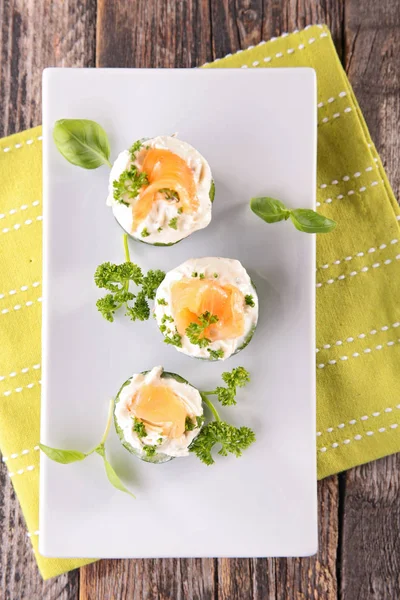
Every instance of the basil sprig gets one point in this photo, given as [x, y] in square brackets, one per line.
[82, 142]
[304, 219]
[66, 457]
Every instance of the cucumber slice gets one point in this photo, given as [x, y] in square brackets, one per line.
[159, 457]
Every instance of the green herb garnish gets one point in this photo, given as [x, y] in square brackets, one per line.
[215, 275]
[173, 223]
[69, 456]
[232, 439]
[195, 331]
[304, 219]
[162, 302]
[117, 279]
[194, 274]
[145, 232]
[151, 282]
[129, 184]
[238, 377]
[180, 210]
[167, 319]
[139, 428]
[175, 340]
[134, 149]
[169, 194]
[201, 276]
[159, 229]
[212, 191]
[150, 450]
[200, 421]
[216, 354]
[249, 300]
[82, 142]
[189, 424]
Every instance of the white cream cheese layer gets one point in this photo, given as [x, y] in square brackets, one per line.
[229, 272]
[156, 224]
[124, 413]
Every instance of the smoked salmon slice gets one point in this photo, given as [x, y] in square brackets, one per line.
[192, 297]
[158, 406]
[165, 170]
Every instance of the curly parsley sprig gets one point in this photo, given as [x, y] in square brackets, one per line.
[195, 331]
[131, 181]
[117, 279]
[232, 439]
[238, 377]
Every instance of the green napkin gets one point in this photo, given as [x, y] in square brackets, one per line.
[358, 282]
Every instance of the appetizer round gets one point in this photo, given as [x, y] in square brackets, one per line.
[161, 190]
[207, 308]
[157, 415]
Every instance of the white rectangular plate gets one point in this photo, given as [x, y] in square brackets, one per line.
[257, 129]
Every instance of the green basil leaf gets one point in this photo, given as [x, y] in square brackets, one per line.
[310, 221]
[82, 142]
[111, 474]
[114, 479]
[269, 209]
[62, 456]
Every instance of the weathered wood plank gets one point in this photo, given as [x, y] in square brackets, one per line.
[372, 60]
[291, 15]
[34, 35]
[153, 34]
[238, 25]
[159, 579]
[370, 556]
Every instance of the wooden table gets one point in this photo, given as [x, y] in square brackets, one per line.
[359, 555]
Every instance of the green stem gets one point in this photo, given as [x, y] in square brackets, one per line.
[109, 419]
[213, 393]
[127, 258]
[126, 248]
[108, 163]
[210, 405]
[100, 446]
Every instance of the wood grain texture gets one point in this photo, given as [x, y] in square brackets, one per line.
[151, 579]
[36, 34]
[153, 34]
[370, 544]
[372, 61]
[297, 14]
[237, 25]
[370, 557]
